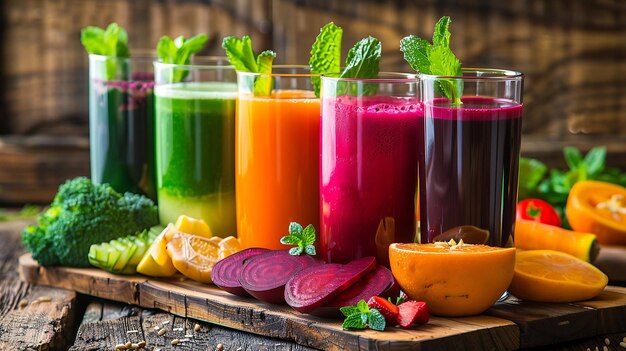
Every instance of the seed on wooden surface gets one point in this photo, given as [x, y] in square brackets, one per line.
[604, 348]
[596, 349]
[44, 299]
[161, 332]
[174, 342]
[134, 346]
[624, 339]
[588, 349]
[120, 347]
[623, 344]
[607, 342]
[23, 303]
[220, 347]
[197, 327]
[128, 344]
[141, 344]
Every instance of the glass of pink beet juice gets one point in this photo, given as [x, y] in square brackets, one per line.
[469, 154]
[368, 165]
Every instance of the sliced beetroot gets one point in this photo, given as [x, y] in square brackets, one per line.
[264, 276]
[225, 273]
[379, 282]
[315, 286]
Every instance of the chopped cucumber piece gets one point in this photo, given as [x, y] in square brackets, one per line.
[122, 255]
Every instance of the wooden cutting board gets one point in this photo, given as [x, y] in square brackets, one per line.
[508, 325]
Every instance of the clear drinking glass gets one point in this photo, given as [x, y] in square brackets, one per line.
[195, 142]
[277, 156]
[469, 156]
[369, 136]
[121, 122]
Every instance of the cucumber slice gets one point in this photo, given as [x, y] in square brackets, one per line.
[122, 255]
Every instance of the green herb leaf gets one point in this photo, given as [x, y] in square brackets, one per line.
[363, 59]
[362, 306]
[399, 300]
[376, 320]
[531, 172]
[178, 52]
[326, 53]
[573, 157]
[349, 310]
[240, 53]
[353, 322]
[303, 238]
[111, 42]
[594, 160]
[263, 84]
[436, 59]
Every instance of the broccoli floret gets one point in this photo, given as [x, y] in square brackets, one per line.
[83, 214]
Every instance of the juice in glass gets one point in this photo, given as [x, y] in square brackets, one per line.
[277, 160]
[195, 133]
[368, 163]
[469, 159]
[121, 123]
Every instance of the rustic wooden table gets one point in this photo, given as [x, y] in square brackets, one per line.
[43, 318]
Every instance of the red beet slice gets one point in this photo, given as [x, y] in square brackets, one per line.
[379, 282]
[225, 273]
[264, 276]
[314, 286]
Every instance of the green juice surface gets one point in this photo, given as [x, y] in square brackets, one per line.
[195, 153]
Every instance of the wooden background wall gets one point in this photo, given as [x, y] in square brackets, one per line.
[573, 53]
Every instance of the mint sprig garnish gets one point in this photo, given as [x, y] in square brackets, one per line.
[361, 316]
[303, 238]
[241, 56]
[362, 61]
[436, 59]
[110, 42]
[326, 53]
[179, 51]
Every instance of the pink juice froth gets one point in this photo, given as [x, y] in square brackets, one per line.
[368, 175]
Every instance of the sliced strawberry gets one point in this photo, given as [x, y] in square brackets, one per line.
[412, 312]
[386, 308]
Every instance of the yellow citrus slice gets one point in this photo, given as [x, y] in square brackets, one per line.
[228, 246]
[454, 279]
[156, 262]
[553, 276]
[193, 226]
[193, 256]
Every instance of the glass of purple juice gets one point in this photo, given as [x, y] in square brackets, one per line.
[121, 122]
[368, 165]
[469, 154]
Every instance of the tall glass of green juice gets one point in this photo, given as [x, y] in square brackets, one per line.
[195, 142]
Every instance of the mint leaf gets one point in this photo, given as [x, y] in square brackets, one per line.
[349, 310]
[240, 53]
[362, 306]
[303, 238]
[295, 229]
[436, 59]
[178, 52]
[376, 320]
[111, 42]
[531, 172]
[326, 53]
[263, 83]
[573, 157]
[353, 322]
[594, 160]
[310, 250]
[363, 59]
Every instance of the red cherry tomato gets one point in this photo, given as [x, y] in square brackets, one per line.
[538, 211]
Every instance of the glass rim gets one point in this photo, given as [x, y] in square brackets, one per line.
[499, 75]
[287, 75]
[200, 62]
[382, 77]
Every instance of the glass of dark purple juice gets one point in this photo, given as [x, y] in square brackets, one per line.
[121, 122]
[469, 156]
[368, 165]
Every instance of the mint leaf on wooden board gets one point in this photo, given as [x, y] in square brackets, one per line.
[326, 53]
[361, 317]
[436, 59]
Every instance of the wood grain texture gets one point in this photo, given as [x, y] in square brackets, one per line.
[507, 325]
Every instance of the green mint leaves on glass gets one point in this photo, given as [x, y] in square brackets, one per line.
[361, 316]
[303, 238]
[242, 57]
[179, 51]
[362, 61]
[111, 42]
[436, 59]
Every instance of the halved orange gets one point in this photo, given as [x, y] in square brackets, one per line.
[553, 276]
[453, 279]
[193, 256]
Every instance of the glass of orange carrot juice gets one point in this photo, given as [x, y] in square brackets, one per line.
[277, 156]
